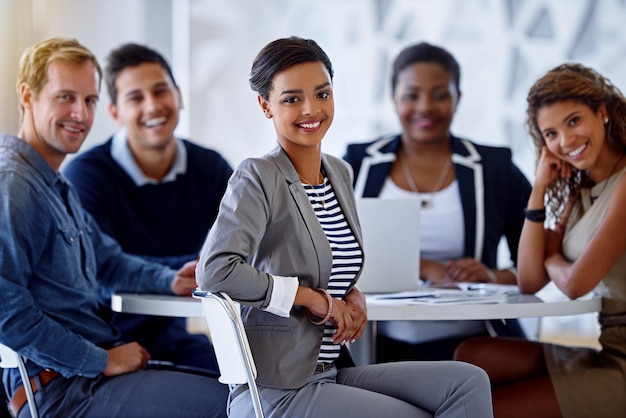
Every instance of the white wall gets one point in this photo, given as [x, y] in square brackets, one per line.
[101, 25]
[15, 28]
[503, 46]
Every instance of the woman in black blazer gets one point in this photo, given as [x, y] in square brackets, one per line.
[472, 196]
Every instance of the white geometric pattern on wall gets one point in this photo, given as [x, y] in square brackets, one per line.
[503, 46]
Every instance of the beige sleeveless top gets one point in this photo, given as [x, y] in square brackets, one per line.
[583, 223]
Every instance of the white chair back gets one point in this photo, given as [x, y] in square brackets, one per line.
[9, 359]
[230, 342]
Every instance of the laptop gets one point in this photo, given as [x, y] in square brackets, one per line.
[391, 244]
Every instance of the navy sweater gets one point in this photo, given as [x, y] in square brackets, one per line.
[165, 222]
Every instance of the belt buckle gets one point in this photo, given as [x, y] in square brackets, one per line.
[323, 367]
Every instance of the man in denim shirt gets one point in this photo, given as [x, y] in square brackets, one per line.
[55, 264]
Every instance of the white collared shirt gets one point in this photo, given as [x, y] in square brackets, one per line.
[120, 151]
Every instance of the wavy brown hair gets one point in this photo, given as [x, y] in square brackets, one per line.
[585, 85]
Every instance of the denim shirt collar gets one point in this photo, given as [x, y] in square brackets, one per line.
[34, 159]
[120, 152]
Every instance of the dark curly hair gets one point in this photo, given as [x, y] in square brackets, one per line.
[582, 84]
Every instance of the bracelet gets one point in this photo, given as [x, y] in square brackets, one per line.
[535, 215]
[330, 308]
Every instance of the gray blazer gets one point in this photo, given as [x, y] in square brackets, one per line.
[266, 226]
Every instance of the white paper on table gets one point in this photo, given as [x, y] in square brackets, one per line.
[440, 296]
[509, 289]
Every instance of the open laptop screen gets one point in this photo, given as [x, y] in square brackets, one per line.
[391, 244]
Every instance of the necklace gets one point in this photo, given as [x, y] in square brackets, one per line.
[409, 178]
[322, 198]
[606, 181]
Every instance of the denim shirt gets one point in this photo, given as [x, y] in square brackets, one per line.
[55, 265]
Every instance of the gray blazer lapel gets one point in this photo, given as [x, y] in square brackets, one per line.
[323, 252]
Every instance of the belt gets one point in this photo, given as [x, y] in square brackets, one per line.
[322, 367]
[238, 391]
[19, 397]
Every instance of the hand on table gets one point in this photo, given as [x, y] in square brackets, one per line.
[462, 270]
[185, 280]
[469, 270]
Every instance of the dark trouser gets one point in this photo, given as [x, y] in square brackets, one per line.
[389, 349]
[146, 393]
[408, 389]
[4, 411]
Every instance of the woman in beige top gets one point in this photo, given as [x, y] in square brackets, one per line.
[577, 119]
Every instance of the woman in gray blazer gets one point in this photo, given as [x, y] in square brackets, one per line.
[287, 245]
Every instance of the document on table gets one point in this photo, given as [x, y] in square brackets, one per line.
[509, 289]
[434, 295]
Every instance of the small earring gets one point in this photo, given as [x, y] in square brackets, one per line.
[268, 115]
[606, 120]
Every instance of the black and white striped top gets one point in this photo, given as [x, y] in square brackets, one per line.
[347, 255]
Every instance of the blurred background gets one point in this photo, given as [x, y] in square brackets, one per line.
[503, 46]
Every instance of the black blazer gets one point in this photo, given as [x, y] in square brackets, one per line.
[494, 192]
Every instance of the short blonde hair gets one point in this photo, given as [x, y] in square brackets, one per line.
[33, 69]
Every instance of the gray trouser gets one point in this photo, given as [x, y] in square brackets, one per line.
[402, 389]
[146, 393]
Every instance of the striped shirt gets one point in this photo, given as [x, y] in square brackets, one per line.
[346, 253]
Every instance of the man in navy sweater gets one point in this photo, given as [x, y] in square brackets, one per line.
[156, 194]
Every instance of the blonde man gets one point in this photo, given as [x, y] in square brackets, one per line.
[55, 263]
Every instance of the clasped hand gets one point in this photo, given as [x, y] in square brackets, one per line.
[349, 316]
[468, 270]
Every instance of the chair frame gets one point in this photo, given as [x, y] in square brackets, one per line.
[224, 337]
[10, 359]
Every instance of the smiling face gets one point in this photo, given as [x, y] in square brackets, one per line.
[574, 133]
[148, 105]
[301, 105]
[425, 98]
[58, 118]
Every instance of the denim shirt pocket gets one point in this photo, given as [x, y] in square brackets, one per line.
[72, 257]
